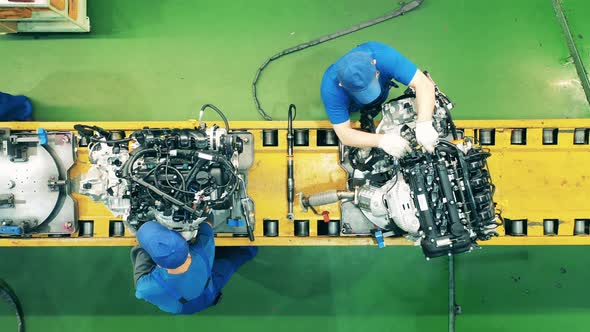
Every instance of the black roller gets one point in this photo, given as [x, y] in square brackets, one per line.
[329, 228]
[271, 228]
[327, 137]
[331, 138]
[487, 136]
[550, 226]
[581, 227]
[301, 137]
[116, 228]
[518, 227]
[87, 228]
[270, 137]
[518, 136]
[550, 136]
[301, 227]
[581, 136]
[334, 228]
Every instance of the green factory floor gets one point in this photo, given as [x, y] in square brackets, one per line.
[161, 61]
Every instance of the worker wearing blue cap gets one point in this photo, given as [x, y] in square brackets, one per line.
[361, 79]
[180, 277]
[15, 108]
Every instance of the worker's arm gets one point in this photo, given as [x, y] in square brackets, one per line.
[204, 244]
[204, 237]
[425, 103]
[337, 104]
[392, 63]
[352, 137]
[337, 108]
[426, 135]
[391, 143]
[424, 95]
[142, 263]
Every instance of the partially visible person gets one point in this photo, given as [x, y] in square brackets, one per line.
[15, 108]
[360, 81]
[180, 277]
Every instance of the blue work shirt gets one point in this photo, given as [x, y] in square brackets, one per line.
[390, 64]
[189, 284]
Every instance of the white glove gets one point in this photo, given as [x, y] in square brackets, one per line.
[426, 135]
[394, 144]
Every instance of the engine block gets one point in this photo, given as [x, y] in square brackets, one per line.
[442, 200]
[178, 177]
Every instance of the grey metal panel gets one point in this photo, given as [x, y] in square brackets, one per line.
[46, 210]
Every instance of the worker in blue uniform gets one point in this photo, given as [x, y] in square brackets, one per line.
[360, 81]
[15, 108]
[180, 277]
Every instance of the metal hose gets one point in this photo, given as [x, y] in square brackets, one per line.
[8, 295]
[328, 197]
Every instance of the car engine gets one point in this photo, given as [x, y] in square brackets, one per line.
[442, 200]
[178, 177]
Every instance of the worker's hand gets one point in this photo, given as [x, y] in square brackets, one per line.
[394, 144]
[426, 135]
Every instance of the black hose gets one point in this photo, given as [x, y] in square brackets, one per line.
[290, 118]
[127, 168]
[88, 132]
[290, 178]
[230, 167]
[62, 194]
[8, 295]
[404, 8]
[123, 140]
[213, 107]
[452, 125]
[162, 194]
[233, 171]
[183, 185]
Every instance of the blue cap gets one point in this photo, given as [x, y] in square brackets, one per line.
[357, 74]
[166, 247]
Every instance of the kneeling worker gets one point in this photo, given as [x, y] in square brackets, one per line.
[180, 277]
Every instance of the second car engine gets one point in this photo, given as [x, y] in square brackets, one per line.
[442, 200]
